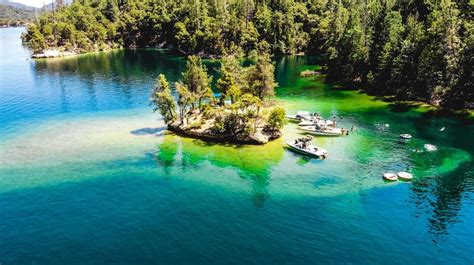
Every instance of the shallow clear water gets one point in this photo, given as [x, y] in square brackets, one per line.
[88, 175]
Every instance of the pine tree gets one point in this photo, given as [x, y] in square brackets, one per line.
[261, 78]
[196, 80]
[439, 65]
[392, 41]
[163, 99]
[405, 64]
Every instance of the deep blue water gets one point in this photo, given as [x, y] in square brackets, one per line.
[142, 205]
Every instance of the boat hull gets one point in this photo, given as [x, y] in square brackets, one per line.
[406, 136]
[299, 119]
[321, 123]
[303, 152]
[322, 133]
[404, 176]
[300, 116]
[306, 123]
[390, 176]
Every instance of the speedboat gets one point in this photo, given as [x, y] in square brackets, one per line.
[406, 136]
[306, 123]
[300, 116]
[323, 131]
[430, 147]
[404, 176]
[306, 148]
[390, 176]
[322, 122]
[314, 122]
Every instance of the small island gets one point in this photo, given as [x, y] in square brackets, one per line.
[242, 112]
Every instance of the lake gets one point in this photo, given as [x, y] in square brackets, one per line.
[89, 175]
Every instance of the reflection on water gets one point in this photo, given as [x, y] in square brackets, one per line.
[441, 198]
[120, 74]
[126, 64]
[254, 163]
[113, 80]
[149, 131]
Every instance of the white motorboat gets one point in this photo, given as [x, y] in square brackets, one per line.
[314, 122]
[300, 116]
[323, 131]
[430, 147]
[306, 123]
[390, 176]
[306, 148]
[406, 136]
[404, 176]
[322, 122]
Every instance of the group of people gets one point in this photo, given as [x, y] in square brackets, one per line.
[302, 142]
[346, 132]
[317, 117]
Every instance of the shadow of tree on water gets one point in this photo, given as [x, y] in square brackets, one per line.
[252, 163]
[402, 107]
[148, 131]
[441, 198]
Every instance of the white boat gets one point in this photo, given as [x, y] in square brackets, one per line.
[306, 123]
[405, 176]
[300, 116]
[314, 122]
[390, 176]
[406, 136]
[325, 122]
[322, 131]
[309, 149]
[430, 147]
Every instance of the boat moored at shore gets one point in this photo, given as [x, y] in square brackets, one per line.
[318, 122]
[324, 131]
[300, 116]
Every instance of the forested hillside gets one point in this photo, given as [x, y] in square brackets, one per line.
[11, 15]
[413, 49]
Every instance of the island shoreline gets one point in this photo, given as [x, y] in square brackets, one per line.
[216, 139]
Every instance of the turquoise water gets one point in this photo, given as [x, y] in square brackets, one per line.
[88, 175]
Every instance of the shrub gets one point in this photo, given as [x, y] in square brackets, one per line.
[195, 125]
[276, 119]
[219, 127]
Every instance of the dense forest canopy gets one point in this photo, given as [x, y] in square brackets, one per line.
[412, 49]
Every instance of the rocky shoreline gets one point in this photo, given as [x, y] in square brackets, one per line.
[60, 52]
[204, 132]
[52, 54]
